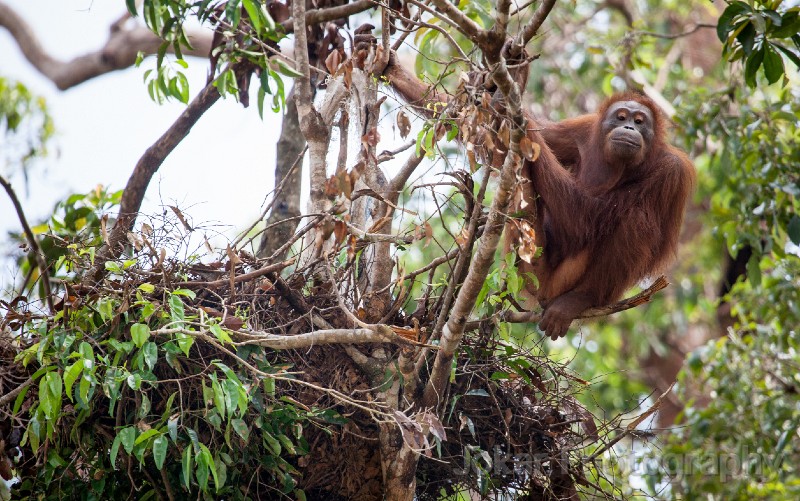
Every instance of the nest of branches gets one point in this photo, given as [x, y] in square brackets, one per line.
[508, 423]
[172, 344]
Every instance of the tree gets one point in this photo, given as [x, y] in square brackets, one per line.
[323, 361]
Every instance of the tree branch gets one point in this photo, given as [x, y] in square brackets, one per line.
[241, 278]
[530, 29]
[11, 395]
[371, 334]
[316, 16]
[522, 317]
[41, 262]
[478, 270]
[467, 25]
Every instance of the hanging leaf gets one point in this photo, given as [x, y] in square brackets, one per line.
[403, 124]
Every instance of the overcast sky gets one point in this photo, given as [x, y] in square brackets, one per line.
[220, 172]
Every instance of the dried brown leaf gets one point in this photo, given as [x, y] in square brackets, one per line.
[339, 232]
[403, 124]
[181, 218]
[371, 138]
[504, 134]
[462, 237]
[333, 61]
[104, 228]
[428, 234]
[233, 323]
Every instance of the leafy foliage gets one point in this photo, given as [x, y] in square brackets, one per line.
[25, 124]
[758, 33]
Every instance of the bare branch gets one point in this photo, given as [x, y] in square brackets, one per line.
[478, 270]
[41, 262]
[668, 36]
[467, 25]
[241, 278]
[530, 29]
[399, 180]
[522, 317]
[501, 19]
[321, 337]
[631, 427]
[316, 16]
[379, 237]
[8, 397]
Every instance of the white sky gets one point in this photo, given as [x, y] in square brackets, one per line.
[221, 172]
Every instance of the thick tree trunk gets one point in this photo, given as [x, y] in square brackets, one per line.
[398, 463]
[287, 205]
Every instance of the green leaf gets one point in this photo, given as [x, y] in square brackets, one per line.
[172, 428]
[794, 230]
[183, 88]
[113, 267]
[185, 292]
[134, 381]
[52, 391]
[747, 37]
[162, 51]
[220, 333]
[128, 436]
[751, 67]
[87, 353]
[790, 25]
[176, 308]
[160, 445]
[241, 428]
[72, 373]
[269, 386]
[260, 103]
[287, 70]
[131, 5]
[144, 408]
[115, 450]
[754, 270]
[186, 467]
[287, 444]
[773, 64]
[140, 333]
[146, 435]
[452, 132]
[150, 352]
[209, 461]
[254, 13]
[273, 443]
[789, 53]
[185, 343]
[724, 23]
[202, 471]
[219, 395]
[20, 399]
[87, 382]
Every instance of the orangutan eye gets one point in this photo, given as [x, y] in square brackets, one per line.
[620, 117]
[639, 121]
